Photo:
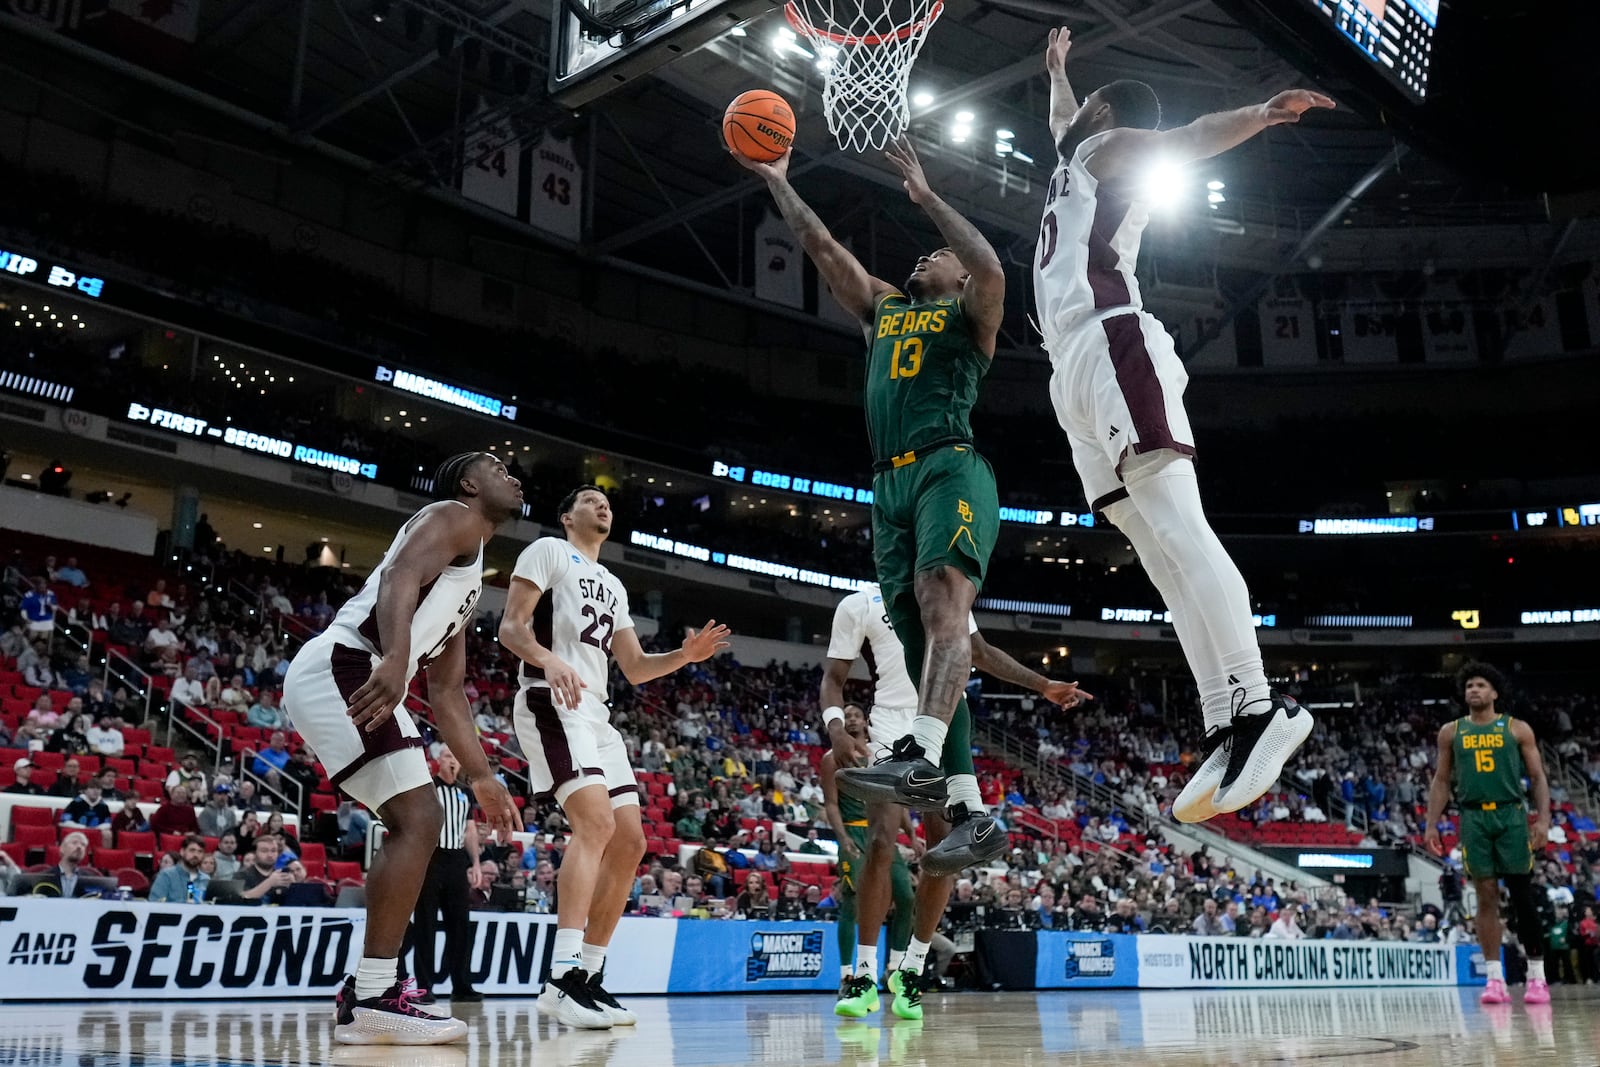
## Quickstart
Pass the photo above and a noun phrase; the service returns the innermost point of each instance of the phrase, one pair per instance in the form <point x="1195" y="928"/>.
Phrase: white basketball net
<point x="867" y="48"/>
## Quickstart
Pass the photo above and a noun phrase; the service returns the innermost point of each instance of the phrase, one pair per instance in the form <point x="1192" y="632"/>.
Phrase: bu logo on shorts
<point x="964" y="510"/>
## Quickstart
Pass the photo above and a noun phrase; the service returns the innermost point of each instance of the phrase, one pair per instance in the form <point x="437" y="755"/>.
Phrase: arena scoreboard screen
<point x="1395" y="35"/>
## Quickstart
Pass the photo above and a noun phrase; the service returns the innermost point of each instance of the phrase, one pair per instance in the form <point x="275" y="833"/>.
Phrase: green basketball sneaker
<point x="907" y="989"/>
<point x="858" y="998"/>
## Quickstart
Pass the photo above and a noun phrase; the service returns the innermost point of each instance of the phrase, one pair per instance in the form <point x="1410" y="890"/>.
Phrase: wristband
<point x="832" y="715"/>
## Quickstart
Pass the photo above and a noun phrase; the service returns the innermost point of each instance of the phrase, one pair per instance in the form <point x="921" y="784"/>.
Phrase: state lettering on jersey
<point x="555" y="188"/>
<point x="595" y="589"/>
<point x="899" y="323"/>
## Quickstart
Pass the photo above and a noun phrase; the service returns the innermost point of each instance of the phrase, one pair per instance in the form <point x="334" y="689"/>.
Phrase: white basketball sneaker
<point x="607" y="1003"/>
<point x="567" y="1000"/>
<point x="392" y="1019"/>
<point x="1194" y="803"/>
<point x="1262" y="744"/>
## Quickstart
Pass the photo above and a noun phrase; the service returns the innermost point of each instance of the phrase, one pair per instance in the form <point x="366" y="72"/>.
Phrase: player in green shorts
<point x="848" y="817"/>
<point x="1483" y="757"/>
<point x="935" y="512"/>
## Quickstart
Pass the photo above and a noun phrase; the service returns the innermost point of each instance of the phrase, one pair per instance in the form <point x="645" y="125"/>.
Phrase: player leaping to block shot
<point x="345" y="691"/>
<point x="935" y="511"/>
<point x="1117" y="387"/>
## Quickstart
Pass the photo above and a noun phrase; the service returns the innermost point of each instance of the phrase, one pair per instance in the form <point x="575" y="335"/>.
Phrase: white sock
<point x="568" y="952"/>
<point x="897" y="958"/>
<point x="1192" y="637"/>
<point x="375" y="975"/>
<point x="1210" y="589"/>
<point x="916" y="956"/>
<point x="929" y="733"/>
<point x="1497" y="971"/>
<point x="1536" y="970"/>
<point x="846" y="970"/>
<point x="867" y="961"/>
<point x="964" y="791"/>
<point x="594" y="958"/>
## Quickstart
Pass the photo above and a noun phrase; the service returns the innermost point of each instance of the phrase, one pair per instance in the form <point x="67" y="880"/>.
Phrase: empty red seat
<point x="33" y="816"/>
<point x="109" y="859"/>
<point x="34" y="836"/>
<point x="339" y="870"/>
<point x="141" y="843"/>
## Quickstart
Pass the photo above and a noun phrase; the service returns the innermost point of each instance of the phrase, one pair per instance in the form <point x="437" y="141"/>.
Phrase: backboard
<point x="600" y="45"/>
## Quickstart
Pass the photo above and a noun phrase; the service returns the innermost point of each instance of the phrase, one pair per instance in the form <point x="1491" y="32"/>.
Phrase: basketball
<point x="759" y="125"/>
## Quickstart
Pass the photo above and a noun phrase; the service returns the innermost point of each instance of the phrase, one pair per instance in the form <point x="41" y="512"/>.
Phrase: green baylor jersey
<point x="851" y="810"/>
<point x="922" y="375"/>
<point x="1488" y="762"/>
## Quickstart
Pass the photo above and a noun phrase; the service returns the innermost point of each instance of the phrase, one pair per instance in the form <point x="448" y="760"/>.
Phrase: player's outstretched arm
<point x="639" y="666"/>
<point x="447" y="676"/>
<point x="856" y="290"/>
<point x="1123" y="153"/>
<point x="985" y="295"/>
<point x="439" y="537"/>
<point x="999" y="663"/>
<point x="1439" y="788"/>
<point x="1063" y="102"/>
<point x="1533" y="763"/>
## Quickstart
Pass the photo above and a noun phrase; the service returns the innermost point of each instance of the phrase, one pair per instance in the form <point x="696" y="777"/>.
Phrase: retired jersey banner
<point x="492" y="170"/>
<point x="780" y="263"/>
<point x="555" y="188"/>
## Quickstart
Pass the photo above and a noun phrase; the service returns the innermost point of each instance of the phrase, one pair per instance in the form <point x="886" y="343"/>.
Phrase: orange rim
<point x="798" y="21"/>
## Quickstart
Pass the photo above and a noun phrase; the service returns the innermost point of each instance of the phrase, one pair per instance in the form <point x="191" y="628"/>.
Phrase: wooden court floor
<point x="1339" y="1028"/>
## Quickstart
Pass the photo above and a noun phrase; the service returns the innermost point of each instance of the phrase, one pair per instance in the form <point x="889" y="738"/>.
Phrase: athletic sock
<point x="1215" y="707"/>
<point x="1248" y="690"/>
<point x="916" y="956"/>
<point x="568" y="952"/>
<point x="1536" y="970"/>
<point x="1497" y="971"/>
<point x="930" y="733"/>
<point x="897" y="959"/>
<point x="867" y="961"/>
<point x="594" y="958"/>
<point x="846" y="970"/>
<point x="963" y="790"/>
<point x="375" y="976"/>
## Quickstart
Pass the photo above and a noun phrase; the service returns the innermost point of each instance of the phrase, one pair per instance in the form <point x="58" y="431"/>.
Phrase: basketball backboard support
<point x="598" y="46"/>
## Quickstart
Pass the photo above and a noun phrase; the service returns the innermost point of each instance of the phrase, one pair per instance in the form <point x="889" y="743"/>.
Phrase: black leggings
<point x="1530" y="930"/>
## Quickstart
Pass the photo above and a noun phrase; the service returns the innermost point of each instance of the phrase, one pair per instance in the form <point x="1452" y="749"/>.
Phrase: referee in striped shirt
<point x="451" y="872"/>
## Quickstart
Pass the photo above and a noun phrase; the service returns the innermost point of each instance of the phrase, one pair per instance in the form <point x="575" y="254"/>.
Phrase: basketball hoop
<point x="865" y="49"/>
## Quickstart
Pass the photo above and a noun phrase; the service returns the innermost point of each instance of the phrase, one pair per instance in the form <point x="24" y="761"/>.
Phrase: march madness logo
<point x="784" y="955"/>
<point x="1091" y="959"/>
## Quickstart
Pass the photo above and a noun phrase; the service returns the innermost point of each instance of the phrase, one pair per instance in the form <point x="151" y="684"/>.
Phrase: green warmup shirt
<point x="1488" y="763"/>
<point x="922" y="376"/>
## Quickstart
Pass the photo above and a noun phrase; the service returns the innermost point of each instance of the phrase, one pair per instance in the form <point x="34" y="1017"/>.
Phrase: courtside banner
<point x="1087" y="961"/>
<point x="734" y="956"/>
<point x="1173" y="962"/>
<point x="75" y="949"/>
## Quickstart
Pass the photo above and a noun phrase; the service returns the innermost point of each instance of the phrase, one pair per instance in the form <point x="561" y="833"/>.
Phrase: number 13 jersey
<point x="583" y="605"/>
<point x="1088" y="247"/>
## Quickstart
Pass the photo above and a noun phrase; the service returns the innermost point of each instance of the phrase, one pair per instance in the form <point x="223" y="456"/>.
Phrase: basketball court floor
<point x="1377" y="1027"/>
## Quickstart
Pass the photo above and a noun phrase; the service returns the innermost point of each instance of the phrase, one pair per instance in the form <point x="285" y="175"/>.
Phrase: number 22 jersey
<point x="583" y="605"/>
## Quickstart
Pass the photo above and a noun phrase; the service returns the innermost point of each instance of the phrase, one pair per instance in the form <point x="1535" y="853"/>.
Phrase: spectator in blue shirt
<point x="184" y="882"/>
<point x="71" y="575"/>
<point x="39" y="609"/>
<point x="275" y="757"/>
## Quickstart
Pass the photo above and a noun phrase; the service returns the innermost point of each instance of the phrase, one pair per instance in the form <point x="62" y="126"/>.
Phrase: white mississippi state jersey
<point x="1088" y="246"/>
<point x="443" y="605"/>
<point x="861" y="628"/>
<point x="582" y="607"/>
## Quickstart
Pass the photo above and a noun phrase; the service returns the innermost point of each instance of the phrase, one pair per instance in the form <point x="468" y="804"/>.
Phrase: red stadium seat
<point x="140" y="843"/>
<point x="324" y="802"/>
<point x="34" y="836"/>
<point x="315" y="869"/>
<point x="134" y="879"/>
<point x="32" y="816"/>
<point x="109" y="859"/>
<point x="17" y="851"/>
<point x="313" y="850"/>
<point x="172" y="842"/>
<point x="50" y="761"/>
<point x="163" y="756"/>
<point x="341" y="870"/>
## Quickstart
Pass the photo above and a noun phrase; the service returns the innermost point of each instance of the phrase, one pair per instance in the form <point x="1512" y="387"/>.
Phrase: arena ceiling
<point x="381" y="93"/>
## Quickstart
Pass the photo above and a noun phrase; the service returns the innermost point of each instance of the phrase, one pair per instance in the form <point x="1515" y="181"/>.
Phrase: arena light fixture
<point x="965" y="117"/>
<point x="1215" y="185"/>
<point x="1003" y="134"/>
<point x="922" y="98"/>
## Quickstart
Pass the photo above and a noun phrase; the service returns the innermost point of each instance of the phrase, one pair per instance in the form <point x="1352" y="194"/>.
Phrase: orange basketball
<point x="759" y="125"/>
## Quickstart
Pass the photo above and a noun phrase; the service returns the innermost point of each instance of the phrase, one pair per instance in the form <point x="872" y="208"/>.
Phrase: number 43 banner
<point x="555" y="188"/>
